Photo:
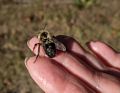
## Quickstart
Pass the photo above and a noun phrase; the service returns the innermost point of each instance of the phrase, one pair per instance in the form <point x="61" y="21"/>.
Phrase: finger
<point x="31" y="44"/>
<point x="96" y="79"/>
<point x="74" y="65"/>
<point x="51" y="77"/>
<point x="72" y="46"/>
<point x="106" y="53"/>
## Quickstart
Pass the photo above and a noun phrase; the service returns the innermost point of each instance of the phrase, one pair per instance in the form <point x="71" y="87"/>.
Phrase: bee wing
<point x="59" y="45"/>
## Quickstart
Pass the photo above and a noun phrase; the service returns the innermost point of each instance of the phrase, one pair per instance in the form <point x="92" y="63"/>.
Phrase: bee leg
<point x="38" y="50"/>
<point x="36" y="46"/>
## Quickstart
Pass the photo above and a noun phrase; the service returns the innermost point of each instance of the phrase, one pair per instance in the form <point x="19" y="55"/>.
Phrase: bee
<point x="49" y="43"/>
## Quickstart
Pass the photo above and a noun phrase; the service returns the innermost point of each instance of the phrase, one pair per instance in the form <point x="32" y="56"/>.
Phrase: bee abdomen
<point x="50" y="49"/>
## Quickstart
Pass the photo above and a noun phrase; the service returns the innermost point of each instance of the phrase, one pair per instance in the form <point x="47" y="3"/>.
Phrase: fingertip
<point x="100" y="47"/>
<point x="105" y="53"/>
<point x="95" y="45"/>
<point x="32" y="42"/>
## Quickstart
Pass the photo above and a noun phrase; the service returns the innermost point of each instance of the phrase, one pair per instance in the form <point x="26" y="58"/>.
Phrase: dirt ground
<point x="22" y="19"/>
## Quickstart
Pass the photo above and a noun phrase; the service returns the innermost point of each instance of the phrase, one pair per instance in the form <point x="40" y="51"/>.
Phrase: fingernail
<point x="26" y="59"/>
<point x="28" y="42"/>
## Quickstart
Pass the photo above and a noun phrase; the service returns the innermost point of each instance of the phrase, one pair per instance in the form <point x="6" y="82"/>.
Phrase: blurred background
<point x="84" y="20"/>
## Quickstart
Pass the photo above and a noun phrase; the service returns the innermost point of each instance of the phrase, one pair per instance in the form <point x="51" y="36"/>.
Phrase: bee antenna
<point x="44" y="26"/>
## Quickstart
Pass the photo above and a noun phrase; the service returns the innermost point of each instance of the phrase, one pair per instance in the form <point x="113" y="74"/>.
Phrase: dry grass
<point x="19" y="22"/>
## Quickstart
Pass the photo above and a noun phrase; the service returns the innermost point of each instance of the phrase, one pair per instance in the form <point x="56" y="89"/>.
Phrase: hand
<point x="76" y="70"/>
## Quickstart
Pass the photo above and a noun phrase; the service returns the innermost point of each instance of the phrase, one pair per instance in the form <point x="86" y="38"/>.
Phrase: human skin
<point x="76" y="70"/>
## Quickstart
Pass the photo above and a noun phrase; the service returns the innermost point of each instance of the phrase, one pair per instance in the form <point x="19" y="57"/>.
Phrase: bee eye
<point x="44" y="34"/>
